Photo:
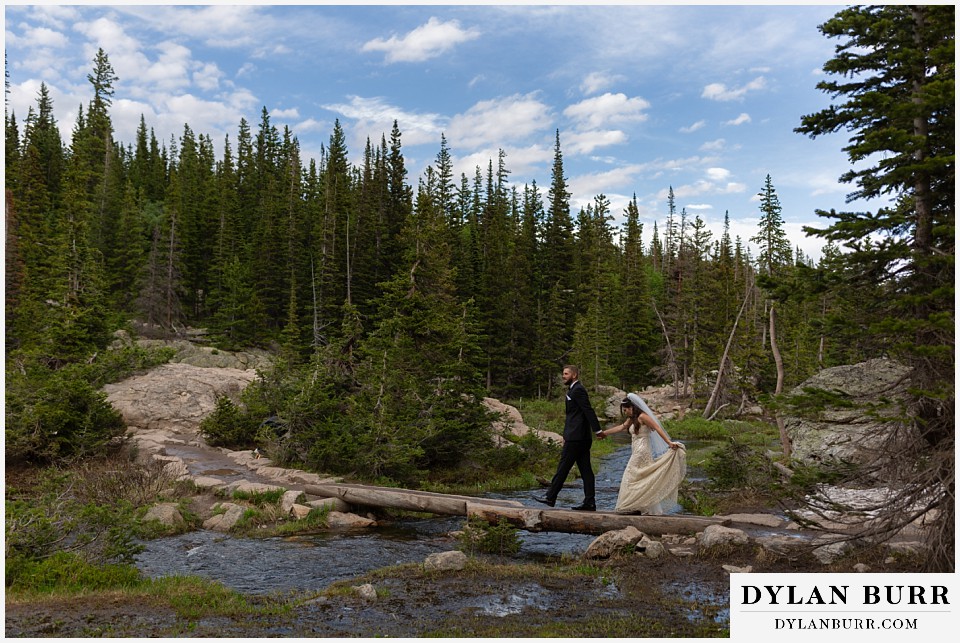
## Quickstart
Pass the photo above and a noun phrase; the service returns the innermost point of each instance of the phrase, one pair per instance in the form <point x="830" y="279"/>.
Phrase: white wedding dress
<point x="650" y="486"/>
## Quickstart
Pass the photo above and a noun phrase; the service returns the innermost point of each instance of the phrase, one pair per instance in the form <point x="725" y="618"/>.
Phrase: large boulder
<point x="858" y="417"/>
<point x="511" y="422"/>
<point x="174" y="398"/>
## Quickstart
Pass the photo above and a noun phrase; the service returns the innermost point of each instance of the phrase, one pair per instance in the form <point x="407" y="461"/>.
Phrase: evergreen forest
<point x="394" y="304"/>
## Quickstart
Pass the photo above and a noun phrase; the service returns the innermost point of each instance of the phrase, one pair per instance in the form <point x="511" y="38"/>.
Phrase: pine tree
<point x="894" y="90"/>
<point x="554" y="325"/>
<point x="419" y="404"/>
<point x="638" y="334"/>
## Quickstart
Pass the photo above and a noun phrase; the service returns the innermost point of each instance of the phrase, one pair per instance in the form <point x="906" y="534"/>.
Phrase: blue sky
<point x="703" y="98"/>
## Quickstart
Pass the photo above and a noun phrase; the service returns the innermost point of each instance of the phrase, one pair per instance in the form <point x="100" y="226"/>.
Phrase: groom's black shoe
<point x="586" y="506"/>
<point x="545" y="500"/>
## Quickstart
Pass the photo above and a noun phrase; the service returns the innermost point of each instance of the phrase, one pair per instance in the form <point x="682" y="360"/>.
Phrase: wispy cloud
<point x="720" y="92"/>
<point x="608" y="108"/>
<point x="374" y="117"/>
<point x="739" y="120"/>
<point x="587" y="142"/>
<point x="597" y="81"/>
<point x="693" y="128"/>
<point x="423" y="43"/>
<point x="501" y="119"/>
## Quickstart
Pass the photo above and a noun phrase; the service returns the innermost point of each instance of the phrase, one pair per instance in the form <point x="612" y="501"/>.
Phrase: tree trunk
<point x="723" y="360"/>
<point x="670" y="355"/>
<point x="784" y="438"/>
<point x="514" y="512"/>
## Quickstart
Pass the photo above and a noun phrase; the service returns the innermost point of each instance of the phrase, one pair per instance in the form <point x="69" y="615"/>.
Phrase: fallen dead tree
<point x="515" y="513"/>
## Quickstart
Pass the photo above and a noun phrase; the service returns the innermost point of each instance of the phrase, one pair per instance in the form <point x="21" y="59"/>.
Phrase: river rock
<point x="333" y="504"/>
<point x="289" y="499"/>
<point x="446" y="561"/>
<point x="511" y="422"/>
<point x="611" y="542"/>
<point x="764" y="520"/>
<point x="733" y="569"/>
<point x="850" y="431"/>
<point x="299" y="512"/>
<point x="225" y="521"/>
<point x="779" y="545"/>
<point x="650" y="548"/>
<point x="167" y="514"/>
<point x="367" y="592"/>
<point x="718" y="535"/>
<point x="830" y="553"/>
<point x="248" y="486"/>
<point x="339" y="520"/>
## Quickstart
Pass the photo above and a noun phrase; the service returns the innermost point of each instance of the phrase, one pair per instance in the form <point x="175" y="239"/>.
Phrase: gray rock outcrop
<point x="173" y="399"/>
<point x="511" y="422"/>
<point x="854" y="427"/>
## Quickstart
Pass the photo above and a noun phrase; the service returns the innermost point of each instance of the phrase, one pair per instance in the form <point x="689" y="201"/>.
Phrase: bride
<point x="657" y="464"/>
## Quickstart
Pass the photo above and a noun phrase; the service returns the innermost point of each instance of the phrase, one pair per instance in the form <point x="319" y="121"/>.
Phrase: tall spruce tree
<point x="893" y="83"/>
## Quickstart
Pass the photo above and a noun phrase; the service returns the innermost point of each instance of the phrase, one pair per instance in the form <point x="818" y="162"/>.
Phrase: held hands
<point x="601" y="435"/>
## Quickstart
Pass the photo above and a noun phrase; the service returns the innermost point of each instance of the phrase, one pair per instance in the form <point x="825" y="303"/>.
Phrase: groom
<point x="578" y="429"/>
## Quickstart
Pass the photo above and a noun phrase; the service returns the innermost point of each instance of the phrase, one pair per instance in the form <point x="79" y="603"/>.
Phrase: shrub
<point x="480" y="536"/>
<point x="55" y="518"/>
<point x="54" y="416"/>
<point x="228" y="426"/>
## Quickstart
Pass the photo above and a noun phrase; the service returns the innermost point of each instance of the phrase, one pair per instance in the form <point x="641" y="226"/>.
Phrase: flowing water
<point x="260" y="566"/>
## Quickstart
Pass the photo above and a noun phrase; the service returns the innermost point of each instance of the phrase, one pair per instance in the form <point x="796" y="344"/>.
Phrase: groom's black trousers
<point x="575" y="452"/>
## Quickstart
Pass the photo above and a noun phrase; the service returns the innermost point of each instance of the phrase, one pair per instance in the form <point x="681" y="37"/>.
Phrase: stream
<point x="305" y="562"/>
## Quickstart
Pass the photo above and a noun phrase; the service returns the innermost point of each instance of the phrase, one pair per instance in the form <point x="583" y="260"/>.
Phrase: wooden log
<point x="406" y="499"/>
<point x="514" y="512"/>
<point x="589" y="522"/>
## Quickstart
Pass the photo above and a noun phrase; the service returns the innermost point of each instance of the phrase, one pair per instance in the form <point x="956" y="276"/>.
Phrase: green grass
<point x="66" y="574"/>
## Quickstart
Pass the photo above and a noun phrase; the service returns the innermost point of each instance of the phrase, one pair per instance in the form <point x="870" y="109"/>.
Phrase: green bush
<point x="738" y="466"/>
<point x="229" y="426"/>
<point x="480" y="536"/>
<point x="59" y="415"/>
<point x="56" y="517"/>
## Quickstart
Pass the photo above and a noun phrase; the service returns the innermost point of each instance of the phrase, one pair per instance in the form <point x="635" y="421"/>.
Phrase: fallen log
<point x="588" y="522"/>
<point x="514" y="512"/>
<point x="406" y="499"/>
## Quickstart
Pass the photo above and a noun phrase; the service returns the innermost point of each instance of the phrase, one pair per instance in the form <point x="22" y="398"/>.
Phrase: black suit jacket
<point x="581" y="421"/>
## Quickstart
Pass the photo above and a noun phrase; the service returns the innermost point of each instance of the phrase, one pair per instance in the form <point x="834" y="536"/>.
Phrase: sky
<point x="703" y="99"/>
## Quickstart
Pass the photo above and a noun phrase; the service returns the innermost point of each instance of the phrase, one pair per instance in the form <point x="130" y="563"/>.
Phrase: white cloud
<point x="713" y="146"/>
<point x="374" y="119"/>
<point x="586" y="186"/>
<point x="207" y="76"/>
<point x="597" y="81"/>
<point x="313" y="125"/>
<point x="698" y="206"/>
<point x="425" y="42"/>
<point x="739" y="120"/>
<point x="587" y="142"/>
<point x="43" y="37"/>
<point x="720" y="92"/>
<point x="525" y="163"/>
<point x="58" y="16"/>
<point x="608" y="108"/>
<point x="490" y="122"/>
<point x="693" y="128"/>
<point x="718" y="173"/>
<point x="285" y="114"/>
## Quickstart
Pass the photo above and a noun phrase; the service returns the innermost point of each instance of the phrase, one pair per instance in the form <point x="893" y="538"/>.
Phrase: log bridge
<point x="514" y="512"/>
